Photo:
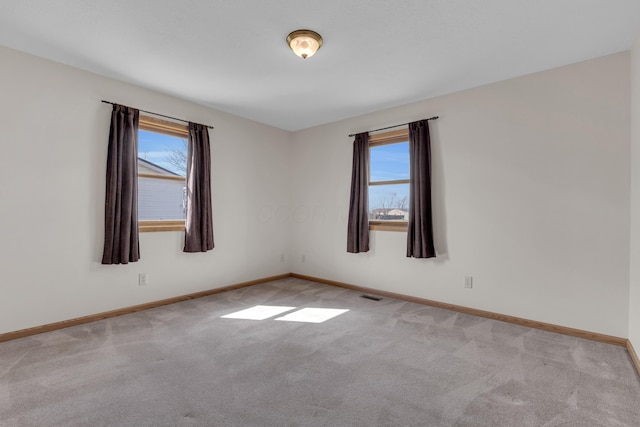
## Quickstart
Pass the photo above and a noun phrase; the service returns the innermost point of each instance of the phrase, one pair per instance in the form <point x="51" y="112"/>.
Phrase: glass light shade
<point x="304" y="43"/>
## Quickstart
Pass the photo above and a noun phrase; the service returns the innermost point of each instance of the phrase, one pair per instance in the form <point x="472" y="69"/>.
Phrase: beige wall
<point x="54" y="145"/>
<point x="531" y="183"/>
<point x="634" y="293"/>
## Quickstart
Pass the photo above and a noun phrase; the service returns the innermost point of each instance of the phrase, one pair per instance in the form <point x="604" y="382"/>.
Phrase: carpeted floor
<point x="381" y="363"/>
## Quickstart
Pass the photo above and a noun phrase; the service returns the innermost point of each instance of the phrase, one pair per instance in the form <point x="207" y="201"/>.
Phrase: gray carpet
<point x="382" y="363"/>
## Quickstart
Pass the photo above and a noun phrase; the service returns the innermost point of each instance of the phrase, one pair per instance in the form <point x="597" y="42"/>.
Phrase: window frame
<point x="165" y="127"/>
<point x="376" y="140"/>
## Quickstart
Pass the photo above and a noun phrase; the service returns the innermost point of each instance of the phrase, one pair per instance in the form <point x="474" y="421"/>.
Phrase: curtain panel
<point x="358" y="227"/>
<point x="420" y="226"/>
<point x="199" y="220"/>
<point x="121" y="244"/>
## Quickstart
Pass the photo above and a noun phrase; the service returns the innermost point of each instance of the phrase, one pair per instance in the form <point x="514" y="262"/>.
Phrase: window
<point x="162" y="166"/>
<point x="389" y="180"/>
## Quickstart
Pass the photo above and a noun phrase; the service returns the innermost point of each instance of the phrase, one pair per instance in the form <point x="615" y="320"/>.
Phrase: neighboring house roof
<point x="390" y="211"/>
<point x="152" y="167"/>
<point x="397" y="212"/>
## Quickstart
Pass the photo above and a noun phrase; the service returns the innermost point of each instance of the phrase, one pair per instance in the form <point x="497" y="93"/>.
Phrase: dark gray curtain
<point x="199" y="221"/>
<point x="420" y="227"/>
<point x="121" y="200"/>
<point x="358" y="228"/>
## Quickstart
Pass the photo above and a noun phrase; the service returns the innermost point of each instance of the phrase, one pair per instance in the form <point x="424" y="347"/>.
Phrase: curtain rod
<point x="156" y="114"/>
<point x="395" y="126"/>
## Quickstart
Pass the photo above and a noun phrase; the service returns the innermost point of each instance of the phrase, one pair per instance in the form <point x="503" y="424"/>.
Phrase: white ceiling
<point x="232" y="55"/>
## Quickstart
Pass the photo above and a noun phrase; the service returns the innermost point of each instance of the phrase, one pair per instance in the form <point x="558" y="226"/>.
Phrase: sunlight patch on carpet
<point x="312" y="315"/>
<point x="259" y="312"/>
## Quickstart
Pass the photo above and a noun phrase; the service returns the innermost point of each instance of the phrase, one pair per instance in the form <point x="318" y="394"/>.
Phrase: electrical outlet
<point x="303" y="258"/>
<point x="468" y="282"/>
<point x="281" y="257"/>
<point x="143" y="279"/>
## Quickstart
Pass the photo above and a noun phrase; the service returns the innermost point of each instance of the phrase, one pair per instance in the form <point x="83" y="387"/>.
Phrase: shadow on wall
<point x="437" y="194"/>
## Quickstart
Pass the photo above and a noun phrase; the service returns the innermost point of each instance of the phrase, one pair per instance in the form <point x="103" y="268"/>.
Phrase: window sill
<point x="147" y="226"/>
<point x="388" y="225"/>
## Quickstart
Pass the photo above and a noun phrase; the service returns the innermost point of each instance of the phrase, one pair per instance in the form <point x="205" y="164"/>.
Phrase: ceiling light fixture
<point x="304" y="43"/>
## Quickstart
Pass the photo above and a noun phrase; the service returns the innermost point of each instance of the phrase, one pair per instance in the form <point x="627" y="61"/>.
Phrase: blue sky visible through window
<point x="387" y="163"/>
<point x="157" y="148"/>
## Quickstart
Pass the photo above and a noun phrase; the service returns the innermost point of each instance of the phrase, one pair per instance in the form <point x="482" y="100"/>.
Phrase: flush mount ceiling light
<point x="304" y="43"/>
